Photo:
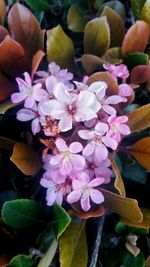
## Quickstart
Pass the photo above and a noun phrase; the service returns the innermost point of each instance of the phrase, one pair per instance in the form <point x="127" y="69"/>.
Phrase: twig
<point x="97" y="242"/>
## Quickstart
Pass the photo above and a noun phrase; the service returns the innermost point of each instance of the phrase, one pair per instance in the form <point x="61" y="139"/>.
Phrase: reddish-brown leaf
<point x="139" y="119"/>
<point x="12" y="56"/>
<point x="36" y="61"/>
<point x="91" y="62"/>
<point x="85" y="215"/>
<point x="125" y="207"/>
<point x="6" y="87"/>
<point x="107" y="77"/>
<point x="26" y="159"/>
<point x="141" y="152"/>
<point x="136" y="38"/>
<point x="25" y="29"/>
<point x="3" y="33"/>
<point x="140" y="74"/>
<point x="2" y="10"/>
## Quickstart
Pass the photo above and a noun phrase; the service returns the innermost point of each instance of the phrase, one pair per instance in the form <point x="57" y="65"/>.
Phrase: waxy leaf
<point x="97" y="36"/>
<point x="116" y="25"/>
<point x="125" y="207"/>
<point x="25" y="29"/>
<point x="136" y="59"/>
<point x="21" y="213"/>
<point x="91" y="214"/>
<point x="21" y="261"/>
<point x="60" y="48"/>
<point x="119" y="185"/>
<point x="136" y="38"/>
<point x="61" y="220"/>
<point x="145" y="222"/>
<point x="116" y="5"/>
<point x="40" y="5"/>
<point x="12" y="57"/>
<point x="140" y="74"/>
<point x="137" y="6"/>
<point x="145" y="14"/>
<point x="141" y="152"/>
<point x="129" y="260"/>
<point x="26" y="159"/>
<point x="73" y="246"/>
<point x="49" y="255"/>
<point x="2" y="11"/>
<point x="122" y="228"/>
<point x="105" y="76"/>
<point x="139" y="119"/>
<point x="76" y="19"/>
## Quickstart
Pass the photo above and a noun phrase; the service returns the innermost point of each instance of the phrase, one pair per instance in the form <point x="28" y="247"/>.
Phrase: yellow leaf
<point x="26" y="159"/>
<point x="139" y="119"/>
<point x="141" y="152"/>
<point x="119" y="185"/>
<point x="60" y="48"/>
<point x="97" y="36"/>
<point x="145" y="223"/>
<point x="126" y="207"/>
<point x="76" y="19"/>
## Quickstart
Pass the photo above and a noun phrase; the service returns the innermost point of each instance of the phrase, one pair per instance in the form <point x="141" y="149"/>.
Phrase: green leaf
<point x="21" y="213"/>
<point x="130" y="260"/>
<point x="136" y="6"/>
<point x="49" y="255"/>
<point x="76" y="19"/>
<point x="61" y="220"/>
<point x="8" y="195"/>
<point x="97" y="36"/>
<point x="73" y="246"/>
<point x="145" y="14"/>
<point x="21" y="261"/>
<point x="5" y="106"/>
<point x="60" y="48"/>
<point x="136" y="59"/>
<point x="40" y="5"/>
<point x="116" y="5"/>
<point x="116" y="24"/>
<point x="122" y="228"/>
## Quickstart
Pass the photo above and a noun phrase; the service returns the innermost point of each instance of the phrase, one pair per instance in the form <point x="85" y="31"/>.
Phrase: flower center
<point x="71" y="108"/>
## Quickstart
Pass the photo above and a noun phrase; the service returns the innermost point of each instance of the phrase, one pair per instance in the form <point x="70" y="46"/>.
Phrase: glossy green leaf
<point x="97" y="36"/>
<point x="136" y="6"/>
<point x="21" y="213"/>
<point x="21" y="261"/>
<point x="49" y="255"/>
<point x="61" y="220"/>
<point x="136" y="59"/>
<point x="60" y="48"/>
<point x="116" y="25"/>
<point x="40" y="5"/>
<point x="129" y="260"/>
<point x="76" y="19"/>
<point x="116" y="5"/>
<point x="73" y="246"/>
<point x="122" y="228"/>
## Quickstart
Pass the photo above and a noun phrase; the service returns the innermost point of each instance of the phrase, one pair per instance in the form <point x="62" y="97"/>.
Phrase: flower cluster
<point x="83" y="125"/>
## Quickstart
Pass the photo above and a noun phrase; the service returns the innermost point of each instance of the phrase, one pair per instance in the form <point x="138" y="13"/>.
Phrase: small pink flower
<point x="117" y="127"/>
<point x="99" y="88"/>
<point x="69" y="107"/>
<point x="120" y="71"/>
<point x="125" y="90"/>
<point x="67" y="159"/>
<point x="99" y="142"/>
<point x="28" y="92"/>
<point x="83" y="189"/>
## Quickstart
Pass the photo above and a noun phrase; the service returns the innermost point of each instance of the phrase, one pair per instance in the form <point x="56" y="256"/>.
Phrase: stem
<point x="97" y="242"/>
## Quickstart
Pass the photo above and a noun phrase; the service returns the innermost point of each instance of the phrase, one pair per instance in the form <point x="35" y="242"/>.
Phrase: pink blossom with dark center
<point x="118" y="127"/>
<point x="120" y="71"/>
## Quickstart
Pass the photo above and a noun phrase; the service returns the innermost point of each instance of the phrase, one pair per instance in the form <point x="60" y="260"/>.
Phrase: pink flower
<point x="125" y="90"/>
<point x="99" y="142"/>
<point x="67" y="159"/>
<point x="117" y="127"/>
<point x="83" y="189"/>
<point x="69" y="107"/>
<point x="28" y="92"/>
<point x="120" y="71"/>
<point x="99" y="88"/>
<point x="33" y="114"/>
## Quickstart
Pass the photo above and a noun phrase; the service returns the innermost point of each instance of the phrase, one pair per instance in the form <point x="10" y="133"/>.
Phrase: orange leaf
<point x="145" y="223"/>
<point x="90" y="214"/>
<point x="26" y="159"/>
<point x="125" y="207"/>
<point x="119" y="185"/>
<point x="105" y="76"/>
<point x="139" y="119"/>
<point x="12" y="57"/>
<point x="25" y="29"/>
<point x="2" y="11"/>
<point x="136" y="38"/>
<point x="36" y="61"/>
<point x="141" y="152"/>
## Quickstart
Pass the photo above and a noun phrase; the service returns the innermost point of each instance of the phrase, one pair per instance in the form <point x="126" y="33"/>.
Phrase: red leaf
<point x="140" y="74"/>
<point x="36" y="61"/>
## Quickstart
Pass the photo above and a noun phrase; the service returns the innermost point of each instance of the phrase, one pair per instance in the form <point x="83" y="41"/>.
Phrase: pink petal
<point x="96" y="196"/>
<point x="114" y="99"/>
<point x="74" y="196"/>
<point x="101" y="128"/>
<point x="94" y="87"/>
<point x="55" y="160"/>
<point x="109" y="110"/>
<point x="21" y="84"/>
<point x="84" y="114"/>
<point x="25" y="114"/>
<point x="78" y="162"/>
<point x="35" y="125"/>
<point x="61" y="93"/>
<point x="51" y="105"/>
<point x="85" y="202"/>
<point x="121" y="119"/>
<point x="61" y="144"/>
<point x="59" y="198"/>
<point x="101" y="152"/>
<point x="124" y="129"/>
<point x="85" y="99"/>
<point x="86" y="134"/>
<point x="50" y="83"/>
<point x="29" y="102"/>
<point x="17" y="97"/>
<point x="39" y="94"/>
<point x="66" y="166"/>
<point x="96" y="182"/>
<point x="88" y="150"/>
<point x="109" y="142"/>
<point x="75" y="147"/>
<point x="50" y="197"/>
<point x="77" y="184"/>
<point x="65" y="123"/>
<point x="125" y="90"/>
<point x="84" y="177"/>
<point x="27" y="78"/>
<point x="45" y="183"/>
